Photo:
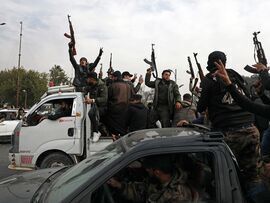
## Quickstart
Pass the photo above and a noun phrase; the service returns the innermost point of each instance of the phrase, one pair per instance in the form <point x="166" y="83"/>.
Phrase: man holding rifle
<point x="166" y="98"/>
<point x="83" y="68"/>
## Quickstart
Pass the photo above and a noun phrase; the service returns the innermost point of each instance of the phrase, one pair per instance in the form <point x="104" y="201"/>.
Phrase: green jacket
<point x="99" y="92"/>
<point x="173" y="94"/>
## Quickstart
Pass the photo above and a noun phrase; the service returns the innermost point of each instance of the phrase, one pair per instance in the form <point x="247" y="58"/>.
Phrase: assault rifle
<point x="100" y="72"/>
<point x="110" y="67"/>
<point x="199" y="67"/>
<point x="192" y="77"/>
<point x="259" y="52"/>
<point x="71" y="36"/>
<point x="152" y="63"/>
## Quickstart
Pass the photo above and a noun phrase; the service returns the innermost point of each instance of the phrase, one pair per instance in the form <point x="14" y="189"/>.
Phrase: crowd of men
<point x="223" y="102"/>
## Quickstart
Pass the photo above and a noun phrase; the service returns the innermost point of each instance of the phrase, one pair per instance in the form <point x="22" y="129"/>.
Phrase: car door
<point x="100" y="187"/>
<point x="46" y="134"/>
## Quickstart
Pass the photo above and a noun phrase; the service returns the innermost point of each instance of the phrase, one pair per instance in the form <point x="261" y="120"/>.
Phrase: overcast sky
<point x="128" y="27"/>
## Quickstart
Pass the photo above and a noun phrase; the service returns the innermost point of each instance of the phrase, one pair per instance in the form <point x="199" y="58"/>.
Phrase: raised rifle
<point x="259" y="52"/>
<point x="152" y="63"/>
<point x="111" y="61"/>
<point x="199" y="67"/>
<point x="71" y="36"/>
<point x="100" y="71"/>
<point x="192" y="77"/>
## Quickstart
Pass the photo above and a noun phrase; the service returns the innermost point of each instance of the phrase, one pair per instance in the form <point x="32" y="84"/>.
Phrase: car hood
<point x="21" y="188"/>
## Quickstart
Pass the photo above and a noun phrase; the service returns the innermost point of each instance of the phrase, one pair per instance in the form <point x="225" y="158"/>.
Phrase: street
<point x="4" y="162"/>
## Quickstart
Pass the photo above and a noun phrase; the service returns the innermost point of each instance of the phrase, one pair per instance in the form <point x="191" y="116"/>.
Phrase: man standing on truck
<point x="82" y="69"/>
<point x="98" y="96"/>
<point x="119" y="93"/>
<point x="228" y="117"/>
<point x="166" y="98"/>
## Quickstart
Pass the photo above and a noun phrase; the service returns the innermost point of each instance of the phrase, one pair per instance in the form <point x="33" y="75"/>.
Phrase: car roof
<point x="170" y="137"/>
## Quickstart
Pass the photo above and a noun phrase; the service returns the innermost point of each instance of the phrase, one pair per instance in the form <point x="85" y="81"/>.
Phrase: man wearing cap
<point x="136" y="118"/>
<point x="119" y="93"/>
<point x="164" y="183"/>
<point x="166" y="98"/>
<point x="82" y="69"/>
<point x="98" y="96"/>
<point x="227" y="116"/>
<point x="127" y="78"/>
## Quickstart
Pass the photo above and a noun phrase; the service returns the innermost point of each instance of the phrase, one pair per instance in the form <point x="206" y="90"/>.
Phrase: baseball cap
<point x="92" y="74"/>
<point x="126" y="73"/>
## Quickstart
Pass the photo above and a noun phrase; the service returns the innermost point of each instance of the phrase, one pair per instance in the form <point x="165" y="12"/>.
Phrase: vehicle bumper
<point x="20" y="161"/>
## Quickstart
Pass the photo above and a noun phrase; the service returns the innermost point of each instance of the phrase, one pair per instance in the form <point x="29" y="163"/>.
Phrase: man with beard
<point x="127" y="78"/>
<point x="166" y="98"/>
<point x="164" y="183"/>
<point x="98" y="95"/>
<point x="82" y="69"/>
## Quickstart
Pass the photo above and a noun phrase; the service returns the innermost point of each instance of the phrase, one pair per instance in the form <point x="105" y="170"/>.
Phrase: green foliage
<point x="58" y="76"/>
<point x="31" y="83"/>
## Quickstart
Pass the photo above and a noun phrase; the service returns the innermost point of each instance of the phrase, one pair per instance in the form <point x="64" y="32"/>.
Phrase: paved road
<point x="4" y="162"/>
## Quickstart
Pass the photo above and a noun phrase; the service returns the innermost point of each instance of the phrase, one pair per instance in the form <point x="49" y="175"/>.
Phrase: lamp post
<point x="25" y="99"/>
<point x="18" y="68"/>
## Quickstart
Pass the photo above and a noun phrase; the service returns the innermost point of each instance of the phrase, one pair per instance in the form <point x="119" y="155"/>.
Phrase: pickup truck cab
<point x="203" y="158"/>
<point x="44" y="143"/>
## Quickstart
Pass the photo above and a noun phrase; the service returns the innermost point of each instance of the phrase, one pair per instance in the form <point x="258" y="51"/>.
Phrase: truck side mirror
<point x="70" y="132"/>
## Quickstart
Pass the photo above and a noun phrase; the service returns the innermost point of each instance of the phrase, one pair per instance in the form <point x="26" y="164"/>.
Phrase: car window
<point x="50" y="108"/>
<point x="164" y="177"/>
<point x="79" y="175"/>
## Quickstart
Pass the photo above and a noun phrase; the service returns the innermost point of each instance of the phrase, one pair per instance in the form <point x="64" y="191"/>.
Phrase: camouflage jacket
<point x="174" y="191"/>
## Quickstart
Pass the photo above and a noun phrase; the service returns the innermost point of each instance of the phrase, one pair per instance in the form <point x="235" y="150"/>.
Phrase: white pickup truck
<point x="44" y="143"/>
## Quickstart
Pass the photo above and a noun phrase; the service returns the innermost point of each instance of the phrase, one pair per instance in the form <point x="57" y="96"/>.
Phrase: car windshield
<point x="80" y="174"/>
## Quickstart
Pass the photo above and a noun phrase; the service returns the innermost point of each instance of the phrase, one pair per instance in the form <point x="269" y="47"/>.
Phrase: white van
<point x="44" y="143"/>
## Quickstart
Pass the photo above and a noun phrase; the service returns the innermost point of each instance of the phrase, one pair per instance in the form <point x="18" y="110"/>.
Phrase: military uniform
<point x="166" y="95"/>
<point x="174" y="191"/>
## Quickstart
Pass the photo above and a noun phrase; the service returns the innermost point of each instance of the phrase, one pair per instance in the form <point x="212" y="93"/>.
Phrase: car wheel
<point x="56" y="160"/>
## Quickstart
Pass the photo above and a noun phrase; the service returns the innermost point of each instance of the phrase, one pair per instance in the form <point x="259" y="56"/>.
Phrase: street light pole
<point x="25" y="99"/>
<point x="19" y="65"/>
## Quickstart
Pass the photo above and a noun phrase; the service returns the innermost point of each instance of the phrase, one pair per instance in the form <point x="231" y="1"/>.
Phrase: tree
<point x="58" y="76"/>
<point x="32" y="82"/>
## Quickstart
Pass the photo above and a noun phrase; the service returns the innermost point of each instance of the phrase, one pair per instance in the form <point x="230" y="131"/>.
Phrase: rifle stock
<point x="191" y="71"/>
<point x="199" y="67"/>
<point x="152" y="63"/>
<point x="71" y="36"/>
<point x="259" y="53"/>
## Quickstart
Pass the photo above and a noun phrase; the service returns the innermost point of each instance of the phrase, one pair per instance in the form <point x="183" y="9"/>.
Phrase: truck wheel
<point x="55" y="160"/>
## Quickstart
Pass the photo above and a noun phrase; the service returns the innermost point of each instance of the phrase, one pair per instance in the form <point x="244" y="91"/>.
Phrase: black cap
<point x="92" y="75"/>
<point x="117" y="74"/>
<point x="214" y="57"/>
<point x="126" y="73"/>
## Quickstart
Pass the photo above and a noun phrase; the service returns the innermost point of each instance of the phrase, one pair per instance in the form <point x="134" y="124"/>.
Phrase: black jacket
<point x="223" y="111"/>
<point x="80" y="78"/>
<point x="247" y="104"/>
<point x="136" y="118"/>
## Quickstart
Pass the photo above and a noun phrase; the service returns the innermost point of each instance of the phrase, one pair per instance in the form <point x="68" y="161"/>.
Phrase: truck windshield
<point x="80" y="174"/>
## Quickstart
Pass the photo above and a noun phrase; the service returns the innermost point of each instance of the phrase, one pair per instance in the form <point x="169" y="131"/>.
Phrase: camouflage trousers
<point x="245" y="144"/>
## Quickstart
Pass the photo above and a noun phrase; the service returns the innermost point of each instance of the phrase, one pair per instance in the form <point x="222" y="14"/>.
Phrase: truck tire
<point x="56" y="160"/>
